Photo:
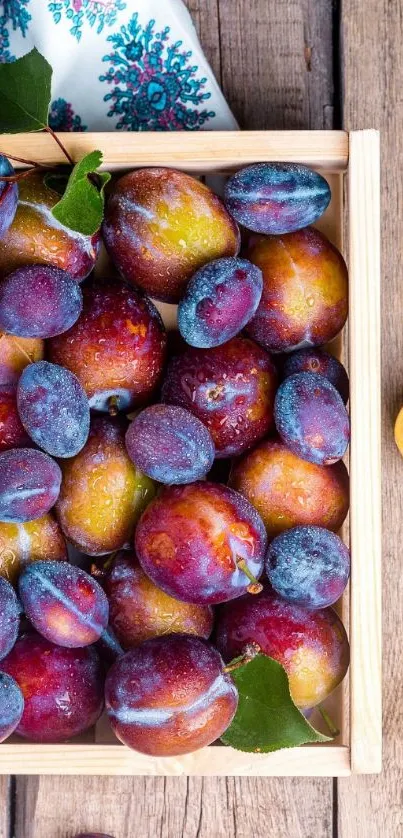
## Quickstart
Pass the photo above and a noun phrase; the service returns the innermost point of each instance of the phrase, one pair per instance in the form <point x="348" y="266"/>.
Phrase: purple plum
<point x="219" y="301"/>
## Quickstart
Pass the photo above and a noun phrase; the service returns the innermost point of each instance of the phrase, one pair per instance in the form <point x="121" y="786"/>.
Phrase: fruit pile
<point x="198" y="474"/>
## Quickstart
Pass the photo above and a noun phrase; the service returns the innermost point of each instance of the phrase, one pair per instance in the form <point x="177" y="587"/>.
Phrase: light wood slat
<point x="365" y="453"/>
<point x="204" y="150"/>
<point x="58" y="807"/>
<point x="373" y="56"/>
<point x="321" y="761"/>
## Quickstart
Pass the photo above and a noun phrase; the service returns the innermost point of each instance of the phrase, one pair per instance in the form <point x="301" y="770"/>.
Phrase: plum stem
<point x="60" y="144"/>
<point x="18" y="175"/>
<point x="32" y="163"/>
<point x="113" y="405"/>
<point x="333" y="730"/>
<point x="250" y="651"/>
<point x="255" y="587"/>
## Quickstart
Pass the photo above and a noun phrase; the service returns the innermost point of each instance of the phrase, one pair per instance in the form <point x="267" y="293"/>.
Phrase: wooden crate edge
<point x="365" y="456"/>
<point x="215" y="761"/>
<point x="203" y="150"/>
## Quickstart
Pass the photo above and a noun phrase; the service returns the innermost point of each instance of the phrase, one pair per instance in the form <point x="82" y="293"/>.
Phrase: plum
<point x="12" y="432"/>
<point x="398" y="431"/>
<point x="308" y="566"/>
<point x="102" y="494"/>
<point x="16" y="354"/>
<point x="11" y="705"/>
<point x="170" y="445"/>
<point x="276" y="197"/>
<point x="219" y="301"/>
<point x="39" y="301"/>
<point x="53" y="408"/>
<point x="139" y="610"/>
<point x="62" y="688"/>
<point x="311" y="418"/>
<point x="21" y="544"/>
<point x="305" y="290"/>
<point x="311" y="645"/>
<point x="287" y="491"/>
<point x="8" y="196"/>
<point x="116" y="349"/>
<point x="10" y="611"/>
<point x="29" y="484"/>
<point x="202" y="543"/>
<point x="161" y="225"/>
<point x="170" y="696"/>
<point x="320" y="362"/>
<point x="63" y="603"/>
<point x="229" y="388"/>
<point x="35" y="237"/>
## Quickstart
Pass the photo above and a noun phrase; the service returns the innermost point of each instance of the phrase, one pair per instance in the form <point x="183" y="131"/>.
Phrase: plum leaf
<point x="267" y="718"/>
<point x="25" y="92"/>
<point x="81" y="208"/>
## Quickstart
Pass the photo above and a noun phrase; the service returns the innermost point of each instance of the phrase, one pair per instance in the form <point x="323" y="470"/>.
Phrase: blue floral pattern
<point x="99" y="13"/>
<point x="63" y="118"/>
<point x="155" y="87"/>
<point x="15" y="15"/>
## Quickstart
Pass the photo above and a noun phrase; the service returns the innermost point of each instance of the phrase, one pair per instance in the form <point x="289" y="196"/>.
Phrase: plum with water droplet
<point x="53" y="408"/>
<point x="63" y="603"/>
<point x="305" y="290"/>
<point x="35" y="237"/>
<point x="170" y="445"/>
<point x="287" y="490"/>
<point x="10" y="611"/>
<point x="229" y="388"/>
<point x="219" y="301"/>
<point x="116" y="348"/>
<point x="138" y="609"/>
<point x="311" y="645"/>
<point x="276" y="197"/>
<point x="16" y="354"/>
<point x="161" y="225"/>
<point x="11" y="706"/>
<point x="170" y="696"/>
<point x="308" y="566"/>
<point x="31" y="541"/>
<point x="63" y="689"/>
<point x="12" y="432"/>
<point x="29" y="484"/>
<point x="311" y="418"/>
<point x="39" y="301"/>
<point x="103" y="493"/>
<point x="202" y="543"/>
<point x="320" y="362"/>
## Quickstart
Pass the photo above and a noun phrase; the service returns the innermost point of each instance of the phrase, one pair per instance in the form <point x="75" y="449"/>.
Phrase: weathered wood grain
<point x="205" y="18"/>
<point x="277" y="62"/>
<point x="4" y="807"/>
<point x="372" y="43"/>
<point x="58" y="807"/>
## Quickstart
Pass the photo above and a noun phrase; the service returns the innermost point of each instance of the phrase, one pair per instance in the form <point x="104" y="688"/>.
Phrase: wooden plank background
<point x="282" y="64"/>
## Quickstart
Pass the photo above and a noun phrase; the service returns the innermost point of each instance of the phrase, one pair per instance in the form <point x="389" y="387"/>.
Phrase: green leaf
<point x="82" y="206"/>
<point x="267" y="718"/>
<point x="25" y="93"/>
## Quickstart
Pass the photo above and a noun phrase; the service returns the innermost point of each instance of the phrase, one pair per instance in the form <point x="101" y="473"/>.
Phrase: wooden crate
<point x="357" y="703"/>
